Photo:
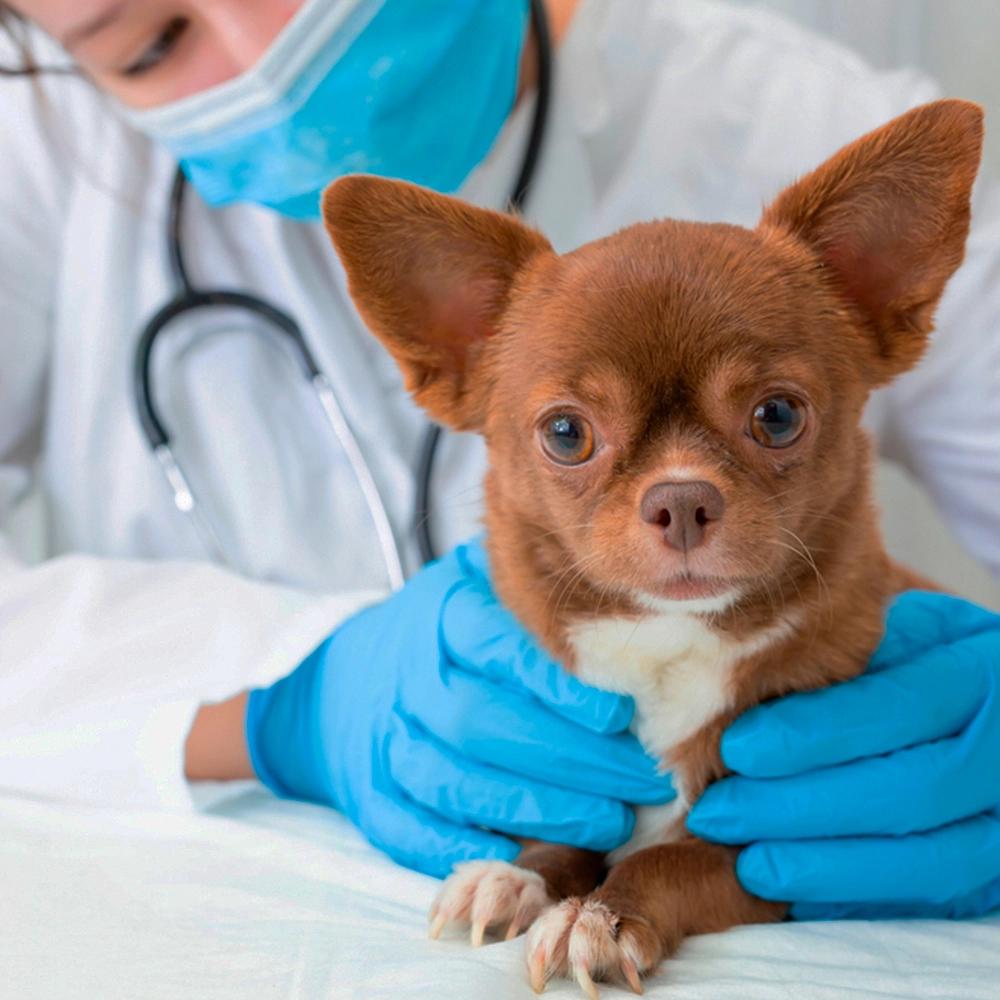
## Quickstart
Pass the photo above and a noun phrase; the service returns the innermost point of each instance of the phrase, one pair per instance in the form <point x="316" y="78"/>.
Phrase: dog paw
<point x="586" y="941"/>
<point x="489" y="894"/>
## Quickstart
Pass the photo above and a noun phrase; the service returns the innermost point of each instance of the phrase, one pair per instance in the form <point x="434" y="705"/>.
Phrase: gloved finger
<point x="905" y="792"/>
<point x="919" y="621"/>
<point x="983" y="900"/>
<point x="474" y="560"/>
<point x="934" y="867"/>
<point x="420" y="839"/>
<point x="470" y="793"/>
<point x="927" y="699"/>
<point x="519" y="735"/>
<point x="483" y="637"/>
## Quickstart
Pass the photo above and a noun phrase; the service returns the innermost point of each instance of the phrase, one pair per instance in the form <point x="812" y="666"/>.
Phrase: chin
<point x="691" y="595"/>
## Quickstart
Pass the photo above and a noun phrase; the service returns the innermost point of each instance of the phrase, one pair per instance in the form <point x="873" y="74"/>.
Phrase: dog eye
<point x="568" y="439"/>
<point x="778" y="421"/>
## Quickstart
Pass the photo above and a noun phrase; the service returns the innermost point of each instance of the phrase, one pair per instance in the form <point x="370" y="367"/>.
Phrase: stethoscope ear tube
<point x="184" y="501"/>
<point x="153" y="427"/>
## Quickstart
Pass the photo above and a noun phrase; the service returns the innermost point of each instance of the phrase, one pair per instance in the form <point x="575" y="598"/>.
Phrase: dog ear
<point x="887" y="217"/>
<point x="431" y="277"/>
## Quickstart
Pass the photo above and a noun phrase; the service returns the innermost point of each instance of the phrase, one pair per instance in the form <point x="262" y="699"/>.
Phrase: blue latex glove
<point x="437" y="725"/>
<point x="879" y="797"/>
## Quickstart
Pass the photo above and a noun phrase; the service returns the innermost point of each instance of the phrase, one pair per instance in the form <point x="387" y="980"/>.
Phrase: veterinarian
<point x="427" y="717"/>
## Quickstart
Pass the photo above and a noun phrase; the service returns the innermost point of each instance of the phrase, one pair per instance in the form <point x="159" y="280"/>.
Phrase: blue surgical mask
<point x="412" y="89"/>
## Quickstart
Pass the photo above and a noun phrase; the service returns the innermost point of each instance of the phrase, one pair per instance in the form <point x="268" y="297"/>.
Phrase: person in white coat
<point x="127" y="648"/>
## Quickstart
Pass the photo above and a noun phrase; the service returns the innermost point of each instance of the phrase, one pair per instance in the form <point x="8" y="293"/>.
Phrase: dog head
<point x="672" y="413"/>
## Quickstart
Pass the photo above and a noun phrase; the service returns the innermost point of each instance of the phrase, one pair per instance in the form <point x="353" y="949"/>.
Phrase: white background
<point x="956" y="43"/>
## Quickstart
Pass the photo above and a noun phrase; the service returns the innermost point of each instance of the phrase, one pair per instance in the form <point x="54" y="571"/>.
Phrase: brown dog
<point x="679" y="498"/>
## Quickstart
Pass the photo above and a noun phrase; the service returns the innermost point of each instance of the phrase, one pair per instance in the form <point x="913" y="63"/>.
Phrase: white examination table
<point x="257" y="898"/>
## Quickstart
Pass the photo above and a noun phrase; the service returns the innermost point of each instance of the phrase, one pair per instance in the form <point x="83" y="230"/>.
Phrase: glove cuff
<point x="257" y="706"/>
<point x="279" y="727"/>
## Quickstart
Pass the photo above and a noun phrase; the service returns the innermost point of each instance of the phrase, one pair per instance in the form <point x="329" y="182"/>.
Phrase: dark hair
<point x="14" y="26"/>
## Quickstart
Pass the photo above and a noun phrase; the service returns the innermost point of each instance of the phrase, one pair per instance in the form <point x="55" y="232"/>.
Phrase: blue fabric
<point x="441" y="729"/>
<point x="880" y="796"/>
<point x="420" y="94"/>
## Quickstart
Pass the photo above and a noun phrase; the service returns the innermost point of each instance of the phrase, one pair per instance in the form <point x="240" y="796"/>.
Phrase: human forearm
<point x="216" y="747"/>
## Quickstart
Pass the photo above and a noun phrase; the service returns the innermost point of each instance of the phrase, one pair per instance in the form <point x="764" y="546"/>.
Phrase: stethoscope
<point x="189" y="298"/>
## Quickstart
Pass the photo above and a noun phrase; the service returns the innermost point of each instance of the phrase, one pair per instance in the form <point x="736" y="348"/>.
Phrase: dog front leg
<point x="649" y="903"/>
<point x="501" y="894"/>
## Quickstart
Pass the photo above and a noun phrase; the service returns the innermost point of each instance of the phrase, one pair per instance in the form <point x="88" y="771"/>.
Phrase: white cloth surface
<point x="257" y="898"/>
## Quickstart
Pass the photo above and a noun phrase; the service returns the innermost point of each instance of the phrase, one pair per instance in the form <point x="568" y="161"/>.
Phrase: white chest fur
<point x="678" y="669"/>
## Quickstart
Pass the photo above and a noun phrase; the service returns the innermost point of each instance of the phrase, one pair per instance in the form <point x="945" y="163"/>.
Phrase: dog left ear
<point x="887" y="217"/>
<point x="431" y="277"/>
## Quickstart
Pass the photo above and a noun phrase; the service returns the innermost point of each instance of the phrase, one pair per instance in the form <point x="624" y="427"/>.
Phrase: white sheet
<point x="264" y="899"/>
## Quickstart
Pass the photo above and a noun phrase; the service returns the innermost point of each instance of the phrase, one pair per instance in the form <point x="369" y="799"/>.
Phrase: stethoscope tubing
<point x="187" y="302"/>
<point x="190" y="299"/>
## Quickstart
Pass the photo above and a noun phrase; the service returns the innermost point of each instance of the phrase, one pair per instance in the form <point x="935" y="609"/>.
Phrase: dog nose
<point x="683" y="510"/>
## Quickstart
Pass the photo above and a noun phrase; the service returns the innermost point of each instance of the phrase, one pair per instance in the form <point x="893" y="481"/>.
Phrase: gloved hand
<point x="879" y="797"/>
<point x="437" y="725"/>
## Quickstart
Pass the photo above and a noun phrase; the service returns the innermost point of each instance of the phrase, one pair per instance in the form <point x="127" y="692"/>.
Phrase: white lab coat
<point x="111" y="640"/>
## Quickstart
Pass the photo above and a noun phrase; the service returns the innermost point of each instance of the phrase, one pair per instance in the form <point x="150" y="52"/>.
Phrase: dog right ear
<point x="431" y="277"/>
<point x="887" y="218"/>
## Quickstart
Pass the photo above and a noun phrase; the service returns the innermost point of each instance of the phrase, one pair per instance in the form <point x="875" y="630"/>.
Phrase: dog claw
<point x="513" y="930"/>
<point x="586" y="983"/>
<point x="632" y="976"/>
<point x="437" y="925"/>
<point x="536" y="971"/>
<point x="478" y="931"/>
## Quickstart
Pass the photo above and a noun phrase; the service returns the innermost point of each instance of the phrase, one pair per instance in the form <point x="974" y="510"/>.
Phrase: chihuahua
<point x="679" y="499"/>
